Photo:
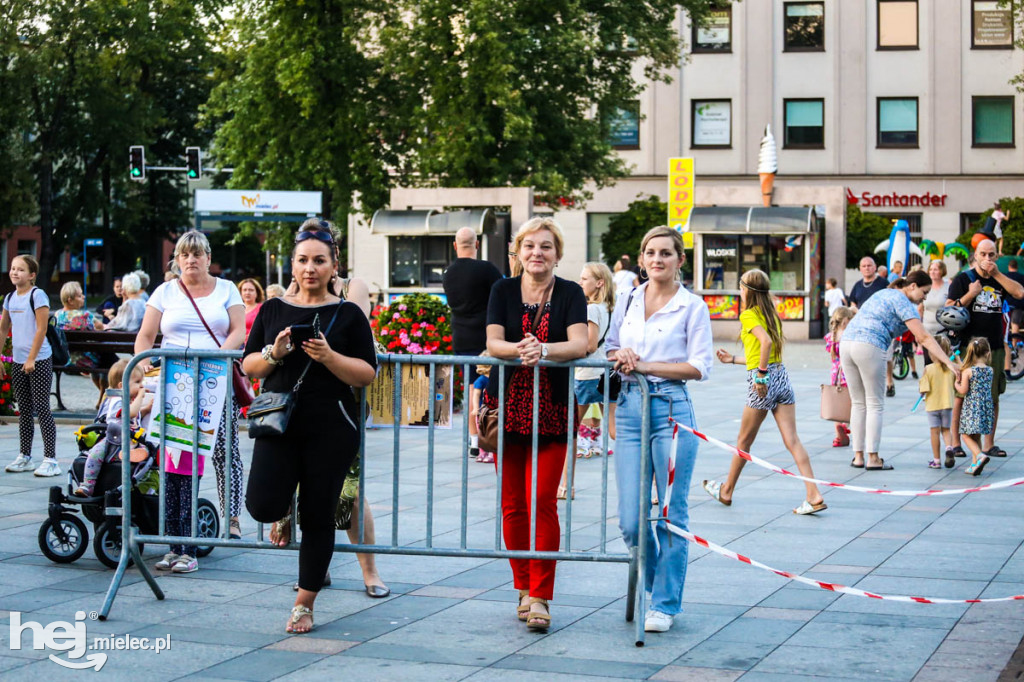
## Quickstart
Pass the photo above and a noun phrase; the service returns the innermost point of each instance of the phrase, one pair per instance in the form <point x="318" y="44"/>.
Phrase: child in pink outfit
<point x="840" y="318"/>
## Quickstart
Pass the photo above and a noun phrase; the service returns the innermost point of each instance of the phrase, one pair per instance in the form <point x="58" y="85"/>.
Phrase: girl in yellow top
<point x="768" y="390"/>
<point x="937" y="386"/>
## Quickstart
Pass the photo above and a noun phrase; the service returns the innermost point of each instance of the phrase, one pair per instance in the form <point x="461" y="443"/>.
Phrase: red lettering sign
<point x="895" y="200"/>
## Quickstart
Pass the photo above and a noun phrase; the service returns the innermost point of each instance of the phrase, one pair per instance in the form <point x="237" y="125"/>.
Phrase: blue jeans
<point x="666" y="559"/>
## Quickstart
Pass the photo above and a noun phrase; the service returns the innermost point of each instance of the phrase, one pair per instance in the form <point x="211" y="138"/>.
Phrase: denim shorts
<point x="940" y="419"/>
<point x="587" y="393"/>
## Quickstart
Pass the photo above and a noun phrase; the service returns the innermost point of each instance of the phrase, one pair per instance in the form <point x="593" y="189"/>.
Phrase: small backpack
<point x="54" y="335"/>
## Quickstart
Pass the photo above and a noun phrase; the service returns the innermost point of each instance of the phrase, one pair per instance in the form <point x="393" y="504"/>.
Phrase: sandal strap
<point x="299" y="611"/>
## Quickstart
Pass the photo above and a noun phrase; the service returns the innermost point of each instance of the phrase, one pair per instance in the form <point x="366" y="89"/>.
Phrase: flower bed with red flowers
<point x="416" y="324"/>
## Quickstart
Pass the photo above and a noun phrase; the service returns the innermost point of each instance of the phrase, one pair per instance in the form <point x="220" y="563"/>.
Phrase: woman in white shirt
<point x="170" y="312"/>
<point x="662" y="331"/>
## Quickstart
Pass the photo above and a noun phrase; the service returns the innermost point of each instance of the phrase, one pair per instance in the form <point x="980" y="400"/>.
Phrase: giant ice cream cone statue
<point x="767" y="165"/>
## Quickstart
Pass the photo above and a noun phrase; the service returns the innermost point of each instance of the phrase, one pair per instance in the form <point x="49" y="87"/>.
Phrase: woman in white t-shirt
<point x="25" y="316"/>
<point x="170" y="312"/>
<point x="934" y="301"/>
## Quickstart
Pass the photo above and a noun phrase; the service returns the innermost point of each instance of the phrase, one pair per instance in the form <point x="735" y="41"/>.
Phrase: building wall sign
<point x="258" y="201"/>
<point x="872" y="200"/>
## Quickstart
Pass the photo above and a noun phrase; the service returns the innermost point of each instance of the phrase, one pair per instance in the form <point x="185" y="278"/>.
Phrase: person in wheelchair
<point x="109" y="447"/>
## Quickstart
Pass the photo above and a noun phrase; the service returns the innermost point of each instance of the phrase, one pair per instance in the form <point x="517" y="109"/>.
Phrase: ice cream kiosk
<point x="783" y="241"/>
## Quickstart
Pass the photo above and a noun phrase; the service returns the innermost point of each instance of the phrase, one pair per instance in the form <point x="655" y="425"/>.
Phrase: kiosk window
<point x="721" y="262"/>
<point x="419" y="261"/>
<point x="782" y="257"/>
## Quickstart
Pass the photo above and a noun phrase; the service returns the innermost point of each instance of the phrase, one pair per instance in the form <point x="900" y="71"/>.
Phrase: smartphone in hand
<point x="301" y="333"/>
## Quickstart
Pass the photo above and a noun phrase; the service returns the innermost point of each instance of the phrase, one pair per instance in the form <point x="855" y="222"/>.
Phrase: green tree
<point x="864" y="231"/>
<point x="626" y="230"/>
<point x="1012" y="227"/>
<point x="525" y="93"/>
<point x="305" y="102"/>
<point x="92" y="78"/>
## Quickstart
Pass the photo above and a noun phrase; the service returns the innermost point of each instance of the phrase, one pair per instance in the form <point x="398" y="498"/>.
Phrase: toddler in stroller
<point x="108" y="448"/>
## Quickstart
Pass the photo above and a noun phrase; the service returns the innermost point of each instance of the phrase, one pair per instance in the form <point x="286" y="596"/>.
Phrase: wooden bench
<point x="93" y="342"/>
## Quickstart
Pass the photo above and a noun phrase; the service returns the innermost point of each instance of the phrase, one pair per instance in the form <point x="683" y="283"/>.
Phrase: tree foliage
<point x="626" y="230"/>
<point x="305" y="102"/>
<point x="524" y="93"/>
<point x="1012" y="227"/>
<point x="88" y="79"/>
<point x="864" y="231"/>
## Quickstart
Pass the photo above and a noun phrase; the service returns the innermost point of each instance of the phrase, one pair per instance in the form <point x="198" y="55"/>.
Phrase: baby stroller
<point x="63" y="536"/>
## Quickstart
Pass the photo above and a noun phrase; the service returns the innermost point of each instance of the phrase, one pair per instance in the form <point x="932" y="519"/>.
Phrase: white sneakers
<point x="20" y="464"/>
<point x="167" y="563"/>
<point x="185" y="564"/>
<point x="49" y="467"/>
<point x="656" y="621"/>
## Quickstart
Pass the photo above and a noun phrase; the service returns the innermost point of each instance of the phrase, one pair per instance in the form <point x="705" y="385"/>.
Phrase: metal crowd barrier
<point x="426" y="545"/>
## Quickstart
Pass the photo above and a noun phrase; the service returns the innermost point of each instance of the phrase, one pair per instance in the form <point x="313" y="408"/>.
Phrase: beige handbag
<point x="835" y="403"/>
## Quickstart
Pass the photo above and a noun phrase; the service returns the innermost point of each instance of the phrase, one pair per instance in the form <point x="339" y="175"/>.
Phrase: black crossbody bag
<point x="271" y="411"/>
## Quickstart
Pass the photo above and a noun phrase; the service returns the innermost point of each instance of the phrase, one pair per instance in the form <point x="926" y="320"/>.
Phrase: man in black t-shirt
<point x="467" y="284"/>
<point x="870" y="285"/>
<point x="982" y="290"/>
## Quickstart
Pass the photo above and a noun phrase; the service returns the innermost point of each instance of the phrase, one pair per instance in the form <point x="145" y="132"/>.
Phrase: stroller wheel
<point x="107" y="544"/>
<point x="69" y="548"/>
<point x="207" y="524"/>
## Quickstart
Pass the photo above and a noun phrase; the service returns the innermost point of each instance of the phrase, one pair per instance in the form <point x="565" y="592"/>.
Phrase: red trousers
<point x="537" y="576"/>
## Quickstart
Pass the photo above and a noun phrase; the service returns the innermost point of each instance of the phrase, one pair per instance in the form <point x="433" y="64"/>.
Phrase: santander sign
<point x="894" y="199"/>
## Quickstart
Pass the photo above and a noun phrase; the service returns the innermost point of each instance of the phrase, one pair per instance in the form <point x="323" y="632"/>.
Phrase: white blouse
<point x="679" y="332"/>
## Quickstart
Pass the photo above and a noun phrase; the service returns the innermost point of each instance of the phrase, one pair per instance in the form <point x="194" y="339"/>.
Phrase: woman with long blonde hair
<point x="768" y="390"/>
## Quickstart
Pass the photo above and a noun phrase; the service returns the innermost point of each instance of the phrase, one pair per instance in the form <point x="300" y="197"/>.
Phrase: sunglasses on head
<point x="323" y="235"/>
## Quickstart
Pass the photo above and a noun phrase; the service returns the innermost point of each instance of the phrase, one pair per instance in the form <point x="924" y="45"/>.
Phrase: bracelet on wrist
<point x="761" y="380"/>
<point x="268" y="355"/>
<point x="762" y="371"/>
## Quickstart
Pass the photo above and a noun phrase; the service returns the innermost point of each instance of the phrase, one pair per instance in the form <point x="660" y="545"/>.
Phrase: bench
<point x="93" y="342"/>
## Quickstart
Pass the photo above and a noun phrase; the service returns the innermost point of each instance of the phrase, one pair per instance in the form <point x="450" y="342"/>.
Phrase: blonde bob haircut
<point x="606" y="294"/>
<point x="69" y="291"/>
<point x="536" y="225"/>
<point x="191" y="242"/>
<point x="664" y="231"/>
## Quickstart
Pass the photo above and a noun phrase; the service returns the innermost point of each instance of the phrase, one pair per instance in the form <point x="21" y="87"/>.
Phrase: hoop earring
<point x="643" y="272"/>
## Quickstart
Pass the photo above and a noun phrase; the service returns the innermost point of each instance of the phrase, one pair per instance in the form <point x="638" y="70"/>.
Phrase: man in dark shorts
<point x="467" y="284"/>
<point x="982" y="290"/>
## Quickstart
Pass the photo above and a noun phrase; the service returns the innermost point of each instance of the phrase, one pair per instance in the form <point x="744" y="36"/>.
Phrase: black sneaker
<point x="914" y="374"/>
<point x="474" y="452"/>
<point x="890" y="392"/>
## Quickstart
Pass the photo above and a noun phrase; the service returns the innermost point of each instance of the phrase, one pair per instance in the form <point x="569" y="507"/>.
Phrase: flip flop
<point x="884" y="467"/>
<point x="806" y="508"/>
<point x="979" y="466"/>
<point x="854" y="464"/>
<point x="714" y="489"/>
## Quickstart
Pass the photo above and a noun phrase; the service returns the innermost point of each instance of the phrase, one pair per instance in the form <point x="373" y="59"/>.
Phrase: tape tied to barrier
<point x="754" y="459"/>
<point x="831" y="587"/>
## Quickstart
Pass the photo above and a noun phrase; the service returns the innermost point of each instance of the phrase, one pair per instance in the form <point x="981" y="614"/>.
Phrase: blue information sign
<point x="94" y="242"/>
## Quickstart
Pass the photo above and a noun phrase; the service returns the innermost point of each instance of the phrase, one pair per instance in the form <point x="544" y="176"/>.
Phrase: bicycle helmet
<point x="953" y="318"/>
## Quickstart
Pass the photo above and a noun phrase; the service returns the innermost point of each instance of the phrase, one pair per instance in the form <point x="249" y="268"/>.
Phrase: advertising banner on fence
<point x="416" y="396"/>
<point x="179" y="410"/>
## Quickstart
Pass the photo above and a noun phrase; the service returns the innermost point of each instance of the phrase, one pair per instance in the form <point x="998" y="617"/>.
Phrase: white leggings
<point x="864" y="367"/>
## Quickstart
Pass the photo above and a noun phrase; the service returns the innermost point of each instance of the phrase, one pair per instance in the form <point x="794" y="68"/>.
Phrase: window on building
<point x="26" y="247"/>
<point x="805" y="123"/>
<point x="993" y="121"/>
<point x="967" y="221"/>
<point x="897" y="25"/>
<point x="597" y="226"/>
<point x="991" y="25"/>
<point x="804" y="26"/>
<point x="711" y="121"/>
<point x="716" y="33"/>
<point x="624" y="128"/>
<point x="897" y="122"/>
<point x="420" y="261"/>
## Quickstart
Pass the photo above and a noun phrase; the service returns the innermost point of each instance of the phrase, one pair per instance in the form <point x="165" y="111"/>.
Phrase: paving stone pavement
<point x="453" y="618"/>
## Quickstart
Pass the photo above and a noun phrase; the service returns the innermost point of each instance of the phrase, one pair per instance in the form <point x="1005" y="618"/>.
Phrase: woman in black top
<point x="515" y="331"/>
<point x="325" y="409"/>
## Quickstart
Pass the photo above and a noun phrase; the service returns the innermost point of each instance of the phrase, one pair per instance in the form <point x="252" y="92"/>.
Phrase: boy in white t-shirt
<point x="834" y="296"/>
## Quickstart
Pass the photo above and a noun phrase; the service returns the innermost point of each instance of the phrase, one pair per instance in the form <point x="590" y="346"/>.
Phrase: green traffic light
<point x="192" y="174"/>
<point x="136" y="172"/>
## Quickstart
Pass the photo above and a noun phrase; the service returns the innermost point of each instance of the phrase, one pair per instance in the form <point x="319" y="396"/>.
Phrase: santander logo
<point x="895" y="199"/>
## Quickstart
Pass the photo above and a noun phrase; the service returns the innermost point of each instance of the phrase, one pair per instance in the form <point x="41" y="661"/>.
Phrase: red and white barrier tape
<point x="831" y="587"/>
<point x="1008" y="483"/>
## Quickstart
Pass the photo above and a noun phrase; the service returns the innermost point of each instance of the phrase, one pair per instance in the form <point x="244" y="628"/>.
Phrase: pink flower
<point x="415" y="348"/>
<point x="383" y="332"/>
<point x="402" y="307"/>
<point x="395" y="316"/>
<point x="404" y="340"/>
<point x="417" y="333"/>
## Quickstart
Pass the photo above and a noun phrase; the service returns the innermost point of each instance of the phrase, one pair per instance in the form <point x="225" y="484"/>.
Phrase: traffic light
<point x="137" y="162"/>
<point x="193" y="163"/>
